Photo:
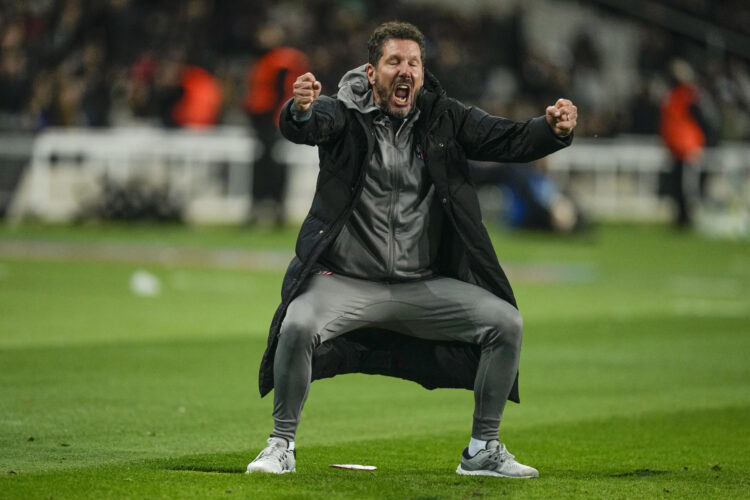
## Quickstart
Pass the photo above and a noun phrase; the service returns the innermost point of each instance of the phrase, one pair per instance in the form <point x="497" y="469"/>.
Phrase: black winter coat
<point x="447" y="133"/>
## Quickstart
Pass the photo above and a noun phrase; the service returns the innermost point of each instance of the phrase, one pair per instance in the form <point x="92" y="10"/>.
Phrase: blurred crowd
<point x="101" y="63"/>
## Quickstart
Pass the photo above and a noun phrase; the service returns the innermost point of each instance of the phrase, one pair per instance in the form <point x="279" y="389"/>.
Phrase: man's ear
<point x="371" y="74"/>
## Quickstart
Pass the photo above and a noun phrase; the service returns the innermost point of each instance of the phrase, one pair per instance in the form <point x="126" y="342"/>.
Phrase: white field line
<point x="699" y="286"/>
<point x="730" y="308"/>
<point x="222" y="258"/>
<point x="708" y="296"/>
<point x="232" y="258"/>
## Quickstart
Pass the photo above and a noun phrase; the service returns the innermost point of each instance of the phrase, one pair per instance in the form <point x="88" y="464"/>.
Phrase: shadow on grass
<point x="229" y="463"/>
<point x="208" y="469"/>
<point x="642" y="473"/>
<point x="572" y="460"/>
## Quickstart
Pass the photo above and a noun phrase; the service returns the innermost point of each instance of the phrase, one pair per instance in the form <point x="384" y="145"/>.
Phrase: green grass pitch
<point x="635" y="373"/>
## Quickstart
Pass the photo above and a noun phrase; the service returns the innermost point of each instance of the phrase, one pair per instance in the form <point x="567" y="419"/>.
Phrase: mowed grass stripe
<point x="650" y="456"/>
<point x="62" y="303"/>
<point x="633" y="369"/>
<point x="115" y="401"/>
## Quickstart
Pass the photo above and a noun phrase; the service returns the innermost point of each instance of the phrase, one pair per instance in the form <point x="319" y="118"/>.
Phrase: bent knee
<point x="296" y="332"/>
<point x="512" y="328"/>
<point x="505" y="326"/>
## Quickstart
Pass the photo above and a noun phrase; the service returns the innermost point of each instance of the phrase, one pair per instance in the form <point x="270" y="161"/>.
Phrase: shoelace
<point x="500" y="455"/>
<point x="276" y="452"/>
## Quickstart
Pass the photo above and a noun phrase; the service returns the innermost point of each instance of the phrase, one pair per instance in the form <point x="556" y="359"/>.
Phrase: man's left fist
<point x="562" y="117"/>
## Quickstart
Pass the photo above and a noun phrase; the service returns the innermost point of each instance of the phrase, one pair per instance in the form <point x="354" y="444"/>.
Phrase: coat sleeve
<point x="325" y="124"/>
<point x="491" y="138"/>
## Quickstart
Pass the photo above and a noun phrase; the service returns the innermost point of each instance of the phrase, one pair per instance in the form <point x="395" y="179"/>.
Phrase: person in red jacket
<point x="682" y="133"/>
<point x="183" y="95"/>
<point x="200" y="104"/>
<point x="270" y="83"/>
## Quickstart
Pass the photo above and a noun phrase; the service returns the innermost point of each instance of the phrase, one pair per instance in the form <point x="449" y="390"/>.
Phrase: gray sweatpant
<point x="433" y="309"/>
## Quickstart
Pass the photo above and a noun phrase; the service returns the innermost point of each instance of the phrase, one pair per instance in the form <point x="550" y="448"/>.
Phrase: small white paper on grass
<point x="353" y="466"/>
<point x="144" y="284"/>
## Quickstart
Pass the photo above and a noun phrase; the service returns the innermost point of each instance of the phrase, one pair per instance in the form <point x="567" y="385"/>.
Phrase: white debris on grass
<point x="144" y="284"/>
<point x="353" y="466"/>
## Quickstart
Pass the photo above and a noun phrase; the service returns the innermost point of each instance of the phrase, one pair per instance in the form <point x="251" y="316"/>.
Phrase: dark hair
<point x="392" y="30"/>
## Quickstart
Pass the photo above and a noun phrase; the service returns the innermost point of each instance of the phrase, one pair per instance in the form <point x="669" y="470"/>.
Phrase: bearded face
<point x="398" y="77"/>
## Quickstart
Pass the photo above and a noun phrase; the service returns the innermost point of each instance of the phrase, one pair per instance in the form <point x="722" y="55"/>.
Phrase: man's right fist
<point x="306" y="90"/>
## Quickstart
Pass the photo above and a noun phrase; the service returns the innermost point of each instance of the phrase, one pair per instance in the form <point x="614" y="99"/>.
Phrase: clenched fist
<point x="562" y="117"/>
<point x="306" y="90"/>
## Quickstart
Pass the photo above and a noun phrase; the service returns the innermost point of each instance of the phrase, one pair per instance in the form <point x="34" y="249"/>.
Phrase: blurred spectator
<point x="101" y="62"/>
<point x="200" y="100"/>
<point x="644" y="111"/>
<point x="181" y="95"/>
<point x="683" y="129"/>
<point x="166" y="90"/>
<point x="139" y="85"/>
<point x="95" y="100"/>
<point x="14" y="84"/>
<point x="270" y="83"/>
<point x="532" y="200"/>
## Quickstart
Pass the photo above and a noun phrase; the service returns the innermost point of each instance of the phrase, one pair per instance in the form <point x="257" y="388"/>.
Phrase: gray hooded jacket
<point x="393" y="233"/>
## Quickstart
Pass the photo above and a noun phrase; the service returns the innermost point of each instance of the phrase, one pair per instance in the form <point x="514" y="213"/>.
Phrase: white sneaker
<point x="276" y="458"/>
<point x="494" y="460"/>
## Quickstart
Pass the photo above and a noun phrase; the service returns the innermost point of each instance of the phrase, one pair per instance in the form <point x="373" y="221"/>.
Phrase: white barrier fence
<point x="209" y="172"/>
<point x="619" y="178"/>
<point x="206" y="172"/>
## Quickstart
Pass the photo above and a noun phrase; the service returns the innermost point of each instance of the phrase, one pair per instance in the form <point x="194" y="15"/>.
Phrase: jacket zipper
<point x="392" y="223"/>
<point x="392" y="212"/>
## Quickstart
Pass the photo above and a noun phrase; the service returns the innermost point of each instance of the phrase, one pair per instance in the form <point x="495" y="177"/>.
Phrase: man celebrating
<point x="394" y="273"/>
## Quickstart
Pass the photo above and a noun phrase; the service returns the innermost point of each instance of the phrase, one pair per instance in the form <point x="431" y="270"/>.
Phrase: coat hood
<point x="355" y="91"/>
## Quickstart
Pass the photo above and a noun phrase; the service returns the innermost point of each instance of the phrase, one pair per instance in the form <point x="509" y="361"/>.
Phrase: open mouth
<point x="401" y="94"/>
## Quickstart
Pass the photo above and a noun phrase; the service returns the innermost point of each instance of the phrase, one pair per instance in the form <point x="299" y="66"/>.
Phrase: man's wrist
<point x="299" y="115"/>
<point x="562" y="134"/>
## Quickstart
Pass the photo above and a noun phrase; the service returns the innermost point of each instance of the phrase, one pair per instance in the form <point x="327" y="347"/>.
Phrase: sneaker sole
<point x="264" y="471"/>
<point x="465" y="472"/>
